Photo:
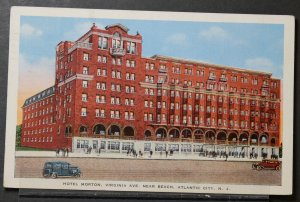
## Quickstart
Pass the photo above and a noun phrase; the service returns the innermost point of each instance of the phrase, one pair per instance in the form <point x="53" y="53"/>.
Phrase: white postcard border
<point x="288" y="91"/>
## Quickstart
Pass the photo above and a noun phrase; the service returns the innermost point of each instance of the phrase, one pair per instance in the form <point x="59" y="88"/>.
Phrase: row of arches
<point x="175" y="134"/>
<point x="100" y="129"/>
<point x="210" y="136"/>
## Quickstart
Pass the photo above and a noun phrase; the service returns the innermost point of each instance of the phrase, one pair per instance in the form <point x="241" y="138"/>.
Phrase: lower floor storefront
<point x="187" y="149"/>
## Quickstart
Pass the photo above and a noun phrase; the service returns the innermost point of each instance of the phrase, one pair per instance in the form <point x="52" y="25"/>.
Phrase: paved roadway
<point x="182" y="171"/>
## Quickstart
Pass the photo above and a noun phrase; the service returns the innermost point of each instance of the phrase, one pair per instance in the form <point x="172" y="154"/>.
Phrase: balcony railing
<point x="80" y="45"/>
<point x="223" y="79"/>
<point x="265" y="85"/>
<point x="212" y="77"/>
<point x="117" y="51"/>
<point x="162" y="70"/>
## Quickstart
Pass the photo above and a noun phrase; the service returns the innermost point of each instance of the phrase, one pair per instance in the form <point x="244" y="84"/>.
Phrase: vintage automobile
<point x="60" y="168"/>
<point x="267" y="164"/>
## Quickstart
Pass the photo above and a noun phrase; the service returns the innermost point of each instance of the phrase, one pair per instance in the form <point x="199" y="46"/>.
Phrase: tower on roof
<point x="125" y="29"/>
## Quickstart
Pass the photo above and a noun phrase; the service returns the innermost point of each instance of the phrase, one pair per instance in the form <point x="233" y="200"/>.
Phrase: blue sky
<point x="252" y="46"/>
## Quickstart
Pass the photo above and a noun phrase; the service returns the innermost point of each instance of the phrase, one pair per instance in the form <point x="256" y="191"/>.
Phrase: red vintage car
<point x="267" y="164"/>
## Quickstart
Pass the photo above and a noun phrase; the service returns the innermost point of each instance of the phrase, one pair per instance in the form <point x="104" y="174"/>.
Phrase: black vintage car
<point x="60" y="168"/>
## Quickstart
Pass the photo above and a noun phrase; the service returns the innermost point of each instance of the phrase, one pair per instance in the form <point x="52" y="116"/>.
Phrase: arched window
<point x="199" y="135"/>
<point x="254" y="139"/>
<point x="210" y="136"/>
<point x="221" y="137"/>
<point x="128" y="131"/>
<point x="116" y="41"/>
<point x="114" y="130"/>
<point x="243" y="138"/>
<point x="174" y="133"/>
<point x="161" y="133"/>
<point x="99" y="129"/>
<point x="83" y="129"/>
<point x="232" y="138"/>
<point x="147" y="134"/>
<point x="263" y="138"/>
<point x="186" y="133"/>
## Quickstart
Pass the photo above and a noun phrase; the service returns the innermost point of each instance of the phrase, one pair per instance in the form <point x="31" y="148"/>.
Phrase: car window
<point x="65" y="166"/>
<point x="48" y="165"/>
<point x="57" y="166"/>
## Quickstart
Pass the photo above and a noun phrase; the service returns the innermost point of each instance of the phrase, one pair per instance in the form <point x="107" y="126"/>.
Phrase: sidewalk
<point x="124" y="156"/>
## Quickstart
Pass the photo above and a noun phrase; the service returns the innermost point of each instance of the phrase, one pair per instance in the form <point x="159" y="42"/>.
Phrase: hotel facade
<point x="109" y="97"/>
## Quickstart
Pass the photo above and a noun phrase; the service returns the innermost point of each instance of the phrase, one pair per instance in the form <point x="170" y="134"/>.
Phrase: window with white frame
<point x="131" y="47"/>
<point x="85" y="56"/>
<point x="83" y="111"/>
<point x="98" y="85"/>
<point x="97" y="112"/>
<point x="84" y="84"/>
<point x="102" y="43"/>
<point x="132" y="63"/>
<point x="103" y="86"/>
<point x="84" y="97"/>
<point x="85" y="70"/>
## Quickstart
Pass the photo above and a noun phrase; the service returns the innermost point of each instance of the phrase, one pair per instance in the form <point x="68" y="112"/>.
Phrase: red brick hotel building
<point x="107" y="96"/>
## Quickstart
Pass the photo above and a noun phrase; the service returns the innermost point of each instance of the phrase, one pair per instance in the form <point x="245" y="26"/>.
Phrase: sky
<point x="244" y="45"/>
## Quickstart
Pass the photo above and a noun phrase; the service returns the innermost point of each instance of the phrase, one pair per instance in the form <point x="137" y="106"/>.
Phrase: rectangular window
<point x="132" y="63"/>
<point x="85" y="70"/>
<point x="84" y="84"/>
<point x="131" y="47"/>
<point x="99" y="58"/>
<point x="85" y="56"/>
<point x="98" y="72"/>
<point x="102" y="43"/>
<point x="103" y="86"/>
<point x="84" y="97"/>
<point x="97" y="111"/>
<point x="83" y="111"/>
<point x="104" y="59"/>
<point x="98" y="86"/>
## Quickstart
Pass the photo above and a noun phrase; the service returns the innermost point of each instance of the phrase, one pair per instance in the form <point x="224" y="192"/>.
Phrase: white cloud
<point x="214" y="32"/>
<point x="177" y="39"/>
<point x="79" y="29"/>
<point x="264" y="64"/>
<point x="28" y="30"/>
<point x="35" y="76"/>
<point x="259" y="62"/>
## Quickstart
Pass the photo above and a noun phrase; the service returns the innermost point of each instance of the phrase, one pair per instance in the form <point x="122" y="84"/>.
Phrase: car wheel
<point x="259" y="167"/>
<point x="277" y="168"/>
<point x="54" y="175"/>
<point x="77" y="175"/>
<point x="253" y="167"/>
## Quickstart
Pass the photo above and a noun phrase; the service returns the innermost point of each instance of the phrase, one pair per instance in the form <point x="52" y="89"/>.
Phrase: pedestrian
<point x="166" y="153"/>
<point x="151" y="152"/>
<point x="128" y="151"/>
<point x="67" y="152"/>
<point x="99" y="150"/>
<point x="57" y="152"/>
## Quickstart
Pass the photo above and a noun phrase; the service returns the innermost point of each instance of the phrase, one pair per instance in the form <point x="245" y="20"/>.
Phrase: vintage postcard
<point x="150" y="101"/>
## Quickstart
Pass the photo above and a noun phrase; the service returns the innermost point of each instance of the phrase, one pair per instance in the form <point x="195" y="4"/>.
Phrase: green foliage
<point x="18" y="135"/>
<point x="280" y="151"/>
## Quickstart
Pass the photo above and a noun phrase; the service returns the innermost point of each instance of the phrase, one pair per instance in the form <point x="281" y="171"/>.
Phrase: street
<point x="181" y="171"/>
